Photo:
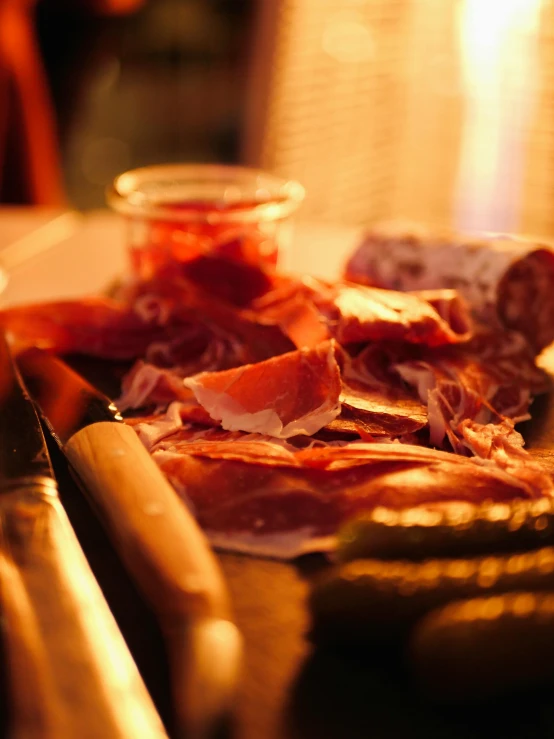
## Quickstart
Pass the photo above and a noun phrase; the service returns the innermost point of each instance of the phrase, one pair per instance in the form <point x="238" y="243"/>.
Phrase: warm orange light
<point x="347" y="38"/>
<point x="499" y="66"/>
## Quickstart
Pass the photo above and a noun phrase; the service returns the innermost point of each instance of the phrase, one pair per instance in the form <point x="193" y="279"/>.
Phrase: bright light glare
<point x="347" y="39"/>
<point x="499" y="71"/>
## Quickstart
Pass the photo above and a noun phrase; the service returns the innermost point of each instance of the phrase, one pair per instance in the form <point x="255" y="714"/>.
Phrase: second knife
<point x="67" y="668"/>
<point x="158" y="540"/>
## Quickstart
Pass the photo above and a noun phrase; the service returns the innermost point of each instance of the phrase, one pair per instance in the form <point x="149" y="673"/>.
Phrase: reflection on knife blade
<point x="69" y="672"/>
<point x="159" y="542"/>
<point x="23" y="453"/>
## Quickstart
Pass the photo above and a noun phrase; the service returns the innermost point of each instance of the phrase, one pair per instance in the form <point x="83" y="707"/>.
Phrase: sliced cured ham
<point x="309" y="311"/>
<point x="146" y="327"/>
<point x="296" y="393"/>
<point x="261" y="498"/>
<point x="498" y="275"/>
<point x="96" y="326"/>
<point x="291" y="304"/>
<point x="147" y="386"/>
<point x="250" y="337"/>
<point x="300" y="321"/>
<point x="358" y="314"/>
<point x="493" y="378"/>
<point x="152" y="429"/>
<point x="375" y="401"/>
<point x="382" y="413"/>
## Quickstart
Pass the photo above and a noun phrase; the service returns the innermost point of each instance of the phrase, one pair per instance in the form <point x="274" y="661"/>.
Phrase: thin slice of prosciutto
<point x="296" y="393"/>
<point x="510" y="278"/>
<point x="357" y="313"/>
<point x="254" y="495"/>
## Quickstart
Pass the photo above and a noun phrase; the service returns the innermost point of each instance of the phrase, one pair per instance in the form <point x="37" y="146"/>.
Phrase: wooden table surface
<point x="288" y="691"/>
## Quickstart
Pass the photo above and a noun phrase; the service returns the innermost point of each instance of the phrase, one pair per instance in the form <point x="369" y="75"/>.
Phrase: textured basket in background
<point x="436" y="110"/>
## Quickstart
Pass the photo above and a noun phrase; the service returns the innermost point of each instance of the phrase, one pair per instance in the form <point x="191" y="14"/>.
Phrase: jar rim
<point x="138" y="193"/>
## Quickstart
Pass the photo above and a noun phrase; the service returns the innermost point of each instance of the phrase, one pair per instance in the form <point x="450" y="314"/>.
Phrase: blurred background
<point x="435" y="110"/>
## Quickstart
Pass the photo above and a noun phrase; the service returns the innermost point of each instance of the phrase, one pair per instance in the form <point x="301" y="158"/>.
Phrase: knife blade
<point x="23" y="454"/>
<point x="69" y="672"/>
<point x="156" y="537"/>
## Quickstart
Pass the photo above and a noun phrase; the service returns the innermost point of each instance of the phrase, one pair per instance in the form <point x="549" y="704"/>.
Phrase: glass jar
<point x="176" y="212"/>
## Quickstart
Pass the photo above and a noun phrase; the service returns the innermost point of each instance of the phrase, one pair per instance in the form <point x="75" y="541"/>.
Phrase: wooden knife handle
<point x="170" y="559"/>
<point x="69" y="671"/>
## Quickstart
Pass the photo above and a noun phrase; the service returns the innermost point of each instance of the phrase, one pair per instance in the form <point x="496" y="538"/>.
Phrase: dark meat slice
<point x="299" y="320"/>
<point x="374" y="399"/>
<point x="385" y="412"/>
<point x="501" y="277"/>
<point x="291" y="304"/>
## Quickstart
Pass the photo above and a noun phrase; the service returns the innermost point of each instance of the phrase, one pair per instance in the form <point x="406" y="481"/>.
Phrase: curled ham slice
<point x="498" y="275"/>
<point x="146" y="327"/>
<point x="357" y="314"/>
<point x="146" y="385"/>
<point x="309" y="311"/>
<point x="296" y="393"/>
<point x="291" y="305"/>
<point x="152" y="429"/>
